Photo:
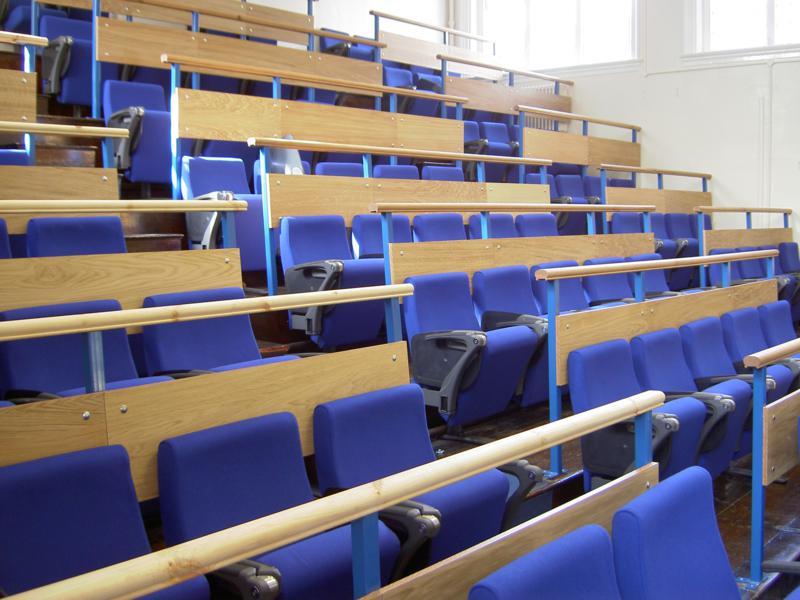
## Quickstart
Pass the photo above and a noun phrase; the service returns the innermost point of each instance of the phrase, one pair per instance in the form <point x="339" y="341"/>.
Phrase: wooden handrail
<point x="139" y="317"/>
<point x="21" y="39"/>
<point x="496" y="67"/>
<point x="745" y="209"/>
<point x="632" y="169"/>
<point x="458" y="32"/>
<point x="516" y="207"/>
<point x="772" y="355"/>
<point x="293" y="76"/>
<point x="391" y="151"/>
<point x="170" y="566"/>
<point x="649" y="265"/>
<point x="568" y="116"/>
<point x="54" y="129"/>
<point x="120" y="206"/>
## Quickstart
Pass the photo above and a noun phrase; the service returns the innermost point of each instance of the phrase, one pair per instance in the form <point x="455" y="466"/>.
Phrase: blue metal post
<point x="35" y="17"/>
<point x="701" y="225"/>
<point x="521" y="145"/>
<point x="366" y="555"/>
<point x="95" y="363"/>
<point x="757" y="506"/>
<point x="660" y="181"/>
<point x="174" y="139"/>
<point x="510" y="80"/>
<point x="603" y="183"/>
<point x="459" y="111"/>
<point x="554" y="392"/>
<point x="276" y="89"/>
<point x="642" y="439"/>
<point x="748" y="220"/>
<point x="392" y="109"/>
<point x="481" y="171"/>
<point x="638" y="286"/>
<point x="591" y="228"/>
<point x="485" y="225"/>
<point x="543" y="174"/>
<point x="633" y="179"/>
<point x="726" y="274"/>
<point x="228" y="224"/>
<point x="195" y="29"/>
<point x="96" y="105"/>
<point x="770" y="267"/>
<point x="705" y="184"/>
<point x="366" y="164"/>
<point x="647" y="226"/>
<point x="29" y="66"/>
<point x="394" y="332"/>
<point x="310" y="13"/>
<point x="376" y="51"/>
<point x="585" y="128"/>
<point x="269" y="247"/>
<point x="557" y="88"/>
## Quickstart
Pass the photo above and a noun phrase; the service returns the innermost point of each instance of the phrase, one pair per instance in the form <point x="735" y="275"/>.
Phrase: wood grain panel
<point x="582" y="329"/>
<point x="18" y="223"/>
<point x="453" y="577"/>
<point x="52" y="427"/>
<point x="243" y="11"/>
<point x="413" y="51"/>
<point x="56" y="183"/>
<point x="603" y="150"/>
<point x="128" y="278"/>
<point x="473" y="255"/>
<point x="780" y="437"/>
<point x="142" y="45"/>
<point x="740" y="238"/>
<point x="161" y="411"/>
<point x="665" y="201"/>
<point x="206" y="115"/>
<point x="500" y="98"/>
<point x="514" y="192"/>
<point x="532" y="96"/>
<point x="558" y="147"/>
<point x="17" y="96"/>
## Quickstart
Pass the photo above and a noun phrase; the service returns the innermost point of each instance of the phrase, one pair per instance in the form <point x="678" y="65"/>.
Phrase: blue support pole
<point x="96" y="103"/>
<point x="485" y="225"/>
<point x="276" y="89"/>
<point x="660" y="181"/>
<point x="510" y="80"/>
<point x="174" y="140"/>
<point x="366" y="555"/>
<point x="392" y="109"/>
<point x="543" y="174"/>
<point x="376" y="52"/>
<point x="35" y="17"/>
<point x="726" y="274"/>
<point x="633" y="179"/>
<point x="310" y="13"/>
<point x="557" y="88"/>
<point x="269" y="247"/>
<point x="394" y="332"/>
<point x="366" y="164"/>
<point x="647" y="226"/>
<point x="554" y="392"/>
<point x="95" y="363"/>
<point x="748" y="220"/>
<point x="603" y="183"/>
<point x="757" y="499"/>
<point x="642" y="439"/>
<point x="585" y="128"/>
<point x="29" y="66"/>
<point x="521" y="145"/>
<point x="459" y="111"/>
<point x="770" y="267"/>
<point x="703" y="269"/>
<point x="481" y="172"/>
<point x="591" y="228"/>
<point x="638" y="286"/>
<point x="195" y="29"/>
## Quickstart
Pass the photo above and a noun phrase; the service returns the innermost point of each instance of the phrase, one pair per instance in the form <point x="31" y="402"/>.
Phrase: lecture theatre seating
<point x="59" y="236"/>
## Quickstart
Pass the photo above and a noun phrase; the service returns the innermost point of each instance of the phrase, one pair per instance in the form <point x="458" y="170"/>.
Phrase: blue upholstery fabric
<point x="679" y="226"/>
<point x="499" y="144"/>
<point x="751" y="269"/>
<point x="591" y="185"/>
<point x="309" y="239"/>
<point x="66" y="236"/>
<point x="370" y="436"/>
<point x="11" y="157"/>
<point x="572" y="186"/>
<point x="536" y="225"/>
<point x="471" y="131"/>
<point x="627" y="223"/>
<point x="395" y="172"/>
<point x="715" y="271"/>
<point x="606" y="288"/>
<point x="393" y="77"/>
<point x="18" y="18"/>
<point x="56" y="363"/>
<point x="776" y="322"/>
<point x="706" y="224"/>
<point x="501" y="225"/>
<point x="789" y="257"/>
<point x="115" y="385"/>
<point x="203" y="175"/>
<point x="226" y="149"/>
<point x="433" y="172"/>
<point x="368" y="236"/>
<point x="5" y="244"/>
<point x="440" y="302"/>
<point x="654" y="281"/>
<point x="659" y="536"/>
<point x="426" y="82"/>
<point x="439" y="227"/>
<point x="571" y="294"/>
<point x="536" y="178"/>
<point x="576" y="566"/>
<point x="339" y="169"/>
<point x="70" y="514"/>
<point x="209" y="481"/>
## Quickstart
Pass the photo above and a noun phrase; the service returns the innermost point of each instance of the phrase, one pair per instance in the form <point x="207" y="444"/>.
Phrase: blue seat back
<point x="591" y="185"/>
<point x="659" y="362"/>
<point x="706" y="224"/>
<point x="394" y="77"/>
<point x="654" y="281"/>
<point x="200" y="175"/>
<point x="440" y="302"/>
<point x="434" y="173"/>
<point x="571" y="294"/>
<point x="679" y="226"/>
<point x="743" y="334"/>
<point x="776" y="322"/>
<point x="368" y="236"/>
<point x="570" y="185"/>
<point x="504" y="289"/>
<point x="593" y="383"/>
<point x="536" y="225"/>
<point x="309" y="239"/>
<point x="789" y="257"/>
<point x="551" y="183"/>
<point x="215" y="478"/>
<point x="52" y="27"/>
<point x="501" y="225"/>
<point x="715" y="271"/>
<point x="118" y="95"/>
<point x="339" y="169"/>
<point x="658" y="222"/>
<point x="495" y="133"/>
<point x="627" y="223"/>
<point x="370" y="436"/>
<point x="438" y="227"/>
<point x="471" y="131"/>
<point x="754" y="268"/>
<point x="704" y="348"/>
<point x="67" y="236"/>
<point x="395" y="172"/>
<point x="604" y="288"/>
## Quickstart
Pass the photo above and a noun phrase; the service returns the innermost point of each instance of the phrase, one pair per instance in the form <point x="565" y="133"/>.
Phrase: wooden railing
<point x="653" y="171"/>
<point x="20" y="39"/>
<point x="514" y="207"/>
<point x="439" y="28"/>
<point x="742" y="209"/>
<point x="504" y="68"/>
<point x="54" y="207"/>
<point x="567" y="116"/>
<point x="168" y="567"/>
<point x="68" y="130"/>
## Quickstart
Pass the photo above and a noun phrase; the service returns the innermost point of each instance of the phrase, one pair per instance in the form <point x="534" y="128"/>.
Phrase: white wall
<point x="736" y="120"/>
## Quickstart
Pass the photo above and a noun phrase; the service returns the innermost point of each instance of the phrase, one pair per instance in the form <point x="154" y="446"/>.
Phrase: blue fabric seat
<point x="339" y="169"/>
<point x="592" y="383"/>
<point x="659" y="537"/>
<point x="368" y="236"/>
<point x="71" y="514"/>
<point x="437" y="173"/>
<point x="429" y="83"/>
<point x="501" y="225"/>
<point x="227" y="149"/>
<point x="571" y="186"/>
<point x="370" y="436"/>
<point x="679" y="227"/>
<point x="776" y="322"/>
<point x="438" y="227"/>
<point x="661" y="365"/>
<point x="627" y="223"/>
<point x="18" y="17"/>
<point x="395" y="172"/>
<point x="571" y="294"/>
<point x="5" y="244"/>
<point x="57" y="364"/>
<point x="309" y="245"/>
<point x="654" y="282"/>
<point x="67" y="236"/>
<point x="202" y="344"/>
<point x="536" y="225"/>
<point x="499" y="144"/>
<point x="442" y="303"/>
<point x="12" y="157"/>
<point x="602" y="289"/>
<point x="576" y="566"/>
<point x="208" y="481"/>
<point x="665" y="246"/>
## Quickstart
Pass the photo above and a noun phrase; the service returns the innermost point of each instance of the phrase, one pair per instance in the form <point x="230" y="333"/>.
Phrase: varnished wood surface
<point x="771" y="355"/>
<point x="21" y="39"/>
<point x="653" y="171"/>
<point x="665" y="200"/>
<point x="69" y="183"/>
<point x="780" y="437"/>
<point x="17" y="96"/>
<point x="449" y="30"/>
<point x="494" y="96"/>
<point x="505" y="68"/>
<point x="742" y="238"/>
<point x="742" y="209"/>
<point x="568" y="116"/>
<point x="56" y="129"/>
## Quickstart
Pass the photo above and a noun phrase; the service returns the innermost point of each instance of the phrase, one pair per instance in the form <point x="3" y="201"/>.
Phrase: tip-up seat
<point x="602" y="289"/>
<point x="536" y="225"/>
<point x="776" y="322"/>
<point x="571" y="191"/>
<point x="5" y="243"/>
<point x="221" y="477"/>
<point x="368" y="235"/>
<point x="439" y="227"/>
<point x="501" y="225"/>
<point x="498" y="143"/>
<point x="67" y="236"/>
<point x="466" y="374"/>
<point x="437" y="173"/>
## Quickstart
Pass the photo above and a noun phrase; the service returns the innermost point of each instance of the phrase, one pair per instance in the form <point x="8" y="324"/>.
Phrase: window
<point x="558" y="33"/>
<point x="724" y="25"/>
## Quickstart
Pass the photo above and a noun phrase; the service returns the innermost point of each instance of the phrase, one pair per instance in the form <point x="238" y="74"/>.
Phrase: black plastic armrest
<point x="3" y="15"/>
<point x="683" y="243"/>
<point x="28" y="396"/>
<point x="341" y="48"/>
<point x="129" y="118"/>
<point x="416" y="523"/>
<point x="704" y="382"/>
<point x="312" y="277"/>
<point x="718" y="406"/>
<point x="514" y="147"/>
<point x="55" y="62"/>
<point x="251" y="579"/>
<point x="790" y="567"/>
<point x="561" y="200"/>
<point x="476" y="146"/>
<point x="527" y="476"/>
<point x="592" y="199"/>
<point x="182" y="373"/>
<point x="495" y="319"/>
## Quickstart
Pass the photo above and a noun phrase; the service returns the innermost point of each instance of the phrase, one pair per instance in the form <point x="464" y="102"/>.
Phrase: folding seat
<point x="339" y="169"/>
<point x="395" y="172"/>
<point x="398" y="78"/>
<point x="661" y="365"/>
<point x="427" y="83"/>
<point x="66" y="236"/>
<point x="627" y="223"/>
<point x="465" y="373"/>
<point x="67" y="60"/>
<point x="14" y="157"/>
<point x="17" y="15"/>
<point x="42" y="368"/>
<point x="776" y="322"/>
<point x="603" y="373"/>
<point x="316" y="255"/>
<point x="159" y="77"/>
<point x="659" y="537"/>
<point x="368" y="235"/>
<point x="753" y="270"/>
<point x="575" y="566"/>
<point x="503" y="298"/>
<point x="141" y="108"/>
<point x="5" y="244"/>
<point x="591" y="186"/>
<point x="70" y="514"/>
<point x="551" y="182"/>
<point x="679" y="227"/>
<point x="225" y="149"/>
<point x="437" y="173"/>
<point x="571" y="191"/>
<point x="438" y="227"/>
<point x="474" y="143"/>
<point x="571" y="294"/>
<point x="536" y="225"/>
<point x="706" y="224"/>
<point x="619" y="182"/>
<point x="601" y="289"/>
<point x="349" y="454"/>
<point x="203" y="345"/>
<point x="789" y="257"/>
<point x="501" y="225"/>
<point x="214" y="479"/>
<point x="666" y="247"/>
<point x="499" y="143"/>
<point x="654" y="282"/>
<point x="565" y="169"/>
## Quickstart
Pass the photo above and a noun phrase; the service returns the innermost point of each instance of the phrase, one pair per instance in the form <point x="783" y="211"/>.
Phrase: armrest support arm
<point x="416" y="523"/>
<point x="55" y="62"/>
<point x="312" y="277"/>
<point x="253" y="580"/>
<point x="527" y="476"/>
<point x="130" y="118"/>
